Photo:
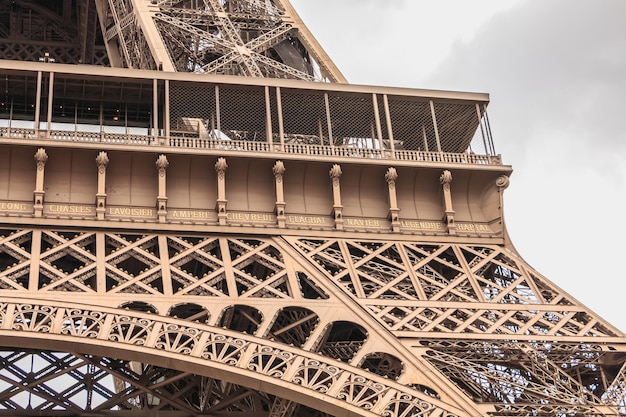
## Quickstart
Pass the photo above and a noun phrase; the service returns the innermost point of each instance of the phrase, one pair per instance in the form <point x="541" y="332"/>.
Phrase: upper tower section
<point x="253" y="38"/>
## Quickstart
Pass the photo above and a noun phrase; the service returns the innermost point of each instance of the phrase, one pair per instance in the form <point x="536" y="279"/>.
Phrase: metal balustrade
<point x="250" y="146"/>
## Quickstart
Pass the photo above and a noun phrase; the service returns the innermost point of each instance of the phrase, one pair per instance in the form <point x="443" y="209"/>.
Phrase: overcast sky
<point x="556" y="73"/>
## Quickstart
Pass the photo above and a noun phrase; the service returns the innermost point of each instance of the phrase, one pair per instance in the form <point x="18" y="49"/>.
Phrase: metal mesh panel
<point x="242" y="113"/>
<point x="304" y="117"/>
<point x="456" y="124"/>
<point x="412" y="124"/>
<point x="274" y="114"/>
<point x="386" y="136"/>
<point x="353" y="122"/>
<point x="192" y="109"/>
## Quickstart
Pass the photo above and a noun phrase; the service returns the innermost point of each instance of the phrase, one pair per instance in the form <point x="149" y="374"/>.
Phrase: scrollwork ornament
<point x="130" y="330"/>
<point x="503" y="182"/>
<point x="41" y="157"/>
<point x="316" y="375"/>
<point x="82" y="323"/>
<point x="34" y="318"/>
<point x="224" y="349"/>
<point x="270" y="361"/>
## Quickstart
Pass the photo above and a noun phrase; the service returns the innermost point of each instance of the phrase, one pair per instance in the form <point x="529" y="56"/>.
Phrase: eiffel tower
<point x="200" y="217"/>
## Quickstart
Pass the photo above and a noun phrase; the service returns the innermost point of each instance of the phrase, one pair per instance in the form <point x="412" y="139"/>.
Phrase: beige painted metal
<point x="183" y="245"/>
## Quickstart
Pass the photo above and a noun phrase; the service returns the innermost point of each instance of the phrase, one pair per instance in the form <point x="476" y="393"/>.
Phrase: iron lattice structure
<point x="252" y="38"/>
<point x="188" y="245"/>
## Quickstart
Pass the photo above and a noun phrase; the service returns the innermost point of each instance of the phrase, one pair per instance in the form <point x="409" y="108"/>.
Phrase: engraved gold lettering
<point x="9" y="206"/>
<point x="69" y="209"/>
<point x="132" y="212"/>
<point x="251" y="217"/>
<point x="414" y="224"/>
<point x="365" y="223"/>
<point x="308" y="220"/>
<point x="191" y="214"/>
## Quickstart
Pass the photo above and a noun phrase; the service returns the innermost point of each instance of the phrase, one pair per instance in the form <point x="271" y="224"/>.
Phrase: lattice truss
<point x="475" y="317"/>
<point x="62" y="31"/>
<point x="236" y="37"/>
<point x="471" y="291"/>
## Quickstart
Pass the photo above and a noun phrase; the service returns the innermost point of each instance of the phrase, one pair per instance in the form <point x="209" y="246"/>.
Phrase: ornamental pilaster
<point x="279" y="171"/>
<point x="446" y="180"/>
<point x="335" y="176"/>
<point x="102" y="160"/>
<point x="41" y="157"/>
<point x="391" y="176"/>
<point x="220" y="207"/>
<point x="161" y="164"/>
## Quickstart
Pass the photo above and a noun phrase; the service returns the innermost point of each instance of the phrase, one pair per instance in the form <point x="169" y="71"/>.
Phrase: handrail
<point x="191" y="142"/>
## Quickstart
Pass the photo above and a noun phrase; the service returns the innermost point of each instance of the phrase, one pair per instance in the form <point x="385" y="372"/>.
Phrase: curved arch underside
<point x="191" y="351"/>
<point x="342" y="326"/>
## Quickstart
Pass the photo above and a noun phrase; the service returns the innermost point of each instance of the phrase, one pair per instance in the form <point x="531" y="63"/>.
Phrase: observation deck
<point x="95" y="105"/>
<point x="272" y="155"/>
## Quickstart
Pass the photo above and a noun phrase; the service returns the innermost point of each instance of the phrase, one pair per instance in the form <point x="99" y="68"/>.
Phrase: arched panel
<point x="214" y="352"/>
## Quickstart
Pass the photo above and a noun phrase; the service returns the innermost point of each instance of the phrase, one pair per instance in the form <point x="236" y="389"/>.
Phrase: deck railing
<point x="247" y="146"/>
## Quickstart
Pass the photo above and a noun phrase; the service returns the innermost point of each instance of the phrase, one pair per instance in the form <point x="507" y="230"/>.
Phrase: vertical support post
<point x="328" y="121"/>
<point x="217" y="108"/>
<point x="155" y="109"/>
<point x="101" y="120"/>
<point x="38" y="101"/>
<point x="335" y="176"/>
<point x="281" y="126"/>
<point x="279" y="171"/>
<point x="389" y="127"/>
<point x="446" y="180"/>
<point x="41" y="157"/>
<point x="166" y="273"/>
<point x="502" y="183"/>
<point x="101" y="271"/>
<point x="162" y="163"/>
<point x="488" y="126"/>
<point x="166" y="114"/>
<point x="425" y="137"/>
<point x="482" y="129"/>
<point x="268" y="119"/>
<point x="379" y="129"/>
<point x="432" y="112"/>
<point x="50" y="98"/>
<point x="35" y="254"/>
<point x="102" y="160"/>
<point x="394" y="212"/>
<point x="220" y="168"/>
